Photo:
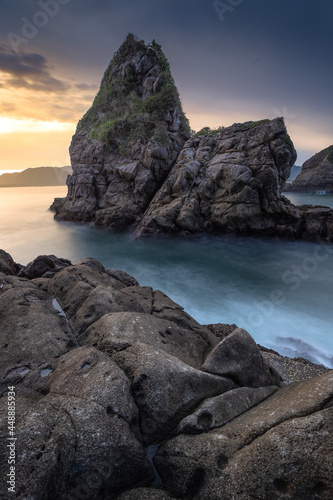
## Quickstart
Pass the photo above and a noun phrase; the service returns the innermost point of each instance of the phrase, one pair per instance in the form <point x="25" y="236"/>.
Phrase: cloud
<point x="7" y="107"/>
<point x="86" y="86"/>
<point x="29" y="71"/>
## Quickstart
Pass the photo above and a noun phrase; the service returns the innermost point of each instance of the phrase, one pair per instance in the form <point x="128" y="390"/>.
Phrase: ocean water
<point x="279" y="291"/>
<point x="310" y="199"/>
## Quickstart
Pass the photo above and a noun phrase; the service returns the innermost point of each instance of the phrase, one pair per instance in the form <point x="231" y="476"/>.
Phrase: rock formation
<point x="316" y="175"/>
<point x="120" y="394"/>
<point x="126" y="143"/>
<point x="135" y="164"/>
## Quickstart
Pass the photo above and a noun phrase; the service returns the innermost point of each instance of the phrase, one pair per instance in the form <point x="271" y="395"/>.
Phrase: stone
<point x="7" y="264"/>
<point x="296" y="421"/>
<point x="117" y="331"/>
<point x="126" y="143"/>
<point x="165" y="388"/>
<point x="43" y="266"/>
<point x="218" y="411"/>
<point x="316" y="174"/>
<point x="32" y="331"/>
<point x="238" y="357"/>
<point x="226" y="182"/>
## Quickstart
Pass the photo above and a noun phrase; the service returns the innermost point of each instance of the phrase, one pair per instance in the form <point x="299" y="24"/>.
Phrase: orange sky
<point x="38" y="118"/>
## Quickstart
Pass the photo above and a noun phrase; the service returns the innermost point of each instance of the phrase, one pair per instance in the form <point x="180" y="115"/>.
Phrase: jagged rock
<point x="7" y="265"/>
<point x="316" y="174"/>
<point x="165" y="388"/>
<point x="293" y="423"/>
<point x="218" y="411"/>
<point x="43" y="266"/>
<point x="135" y="164"/>
<point x="228" y="182"/>
<point x="237" y="356"/>
<point x="126" y="143"/>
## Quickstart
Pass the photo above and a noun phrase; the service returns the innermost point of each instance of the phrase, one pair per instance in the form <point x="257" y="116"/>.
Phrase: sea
<point x="279" y="291"/>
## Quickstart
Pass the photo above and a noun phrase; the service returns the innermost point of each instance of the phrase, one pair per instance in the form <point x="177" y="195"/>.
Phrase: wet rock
<point x="238" y="357"/>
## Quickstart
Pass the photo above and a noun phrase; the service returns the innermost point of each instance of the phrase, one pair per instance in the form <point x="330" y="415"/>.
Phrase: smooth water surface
<point x="269" y="287"/>
<point x="325" y="200"/>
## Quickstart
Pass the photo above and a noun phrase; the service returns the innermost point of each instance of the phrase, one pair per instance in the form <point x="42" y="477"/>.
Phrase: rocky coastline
<point x="121" y="395"/>
<point x="316" y="175"/>
<point x="136" y="163"/>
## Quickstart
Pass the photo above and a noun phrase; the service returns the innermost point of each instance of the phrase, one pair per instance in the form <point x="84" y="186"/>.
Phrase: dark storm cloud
<point x="29" y="71"/>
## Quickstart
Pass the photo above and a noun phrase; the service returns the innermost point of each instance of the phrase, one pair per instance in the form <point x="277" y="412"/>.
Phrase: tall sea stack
<point x="126" y="143"/>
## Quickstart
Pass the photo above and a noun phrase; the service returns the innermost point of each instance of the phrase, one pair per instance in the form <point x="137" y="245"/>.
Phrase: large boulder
<point x="233" y="461"/>
<point x="111" y="399"/>
<point x="126" y="143"/>
<point x="316" y="174"/>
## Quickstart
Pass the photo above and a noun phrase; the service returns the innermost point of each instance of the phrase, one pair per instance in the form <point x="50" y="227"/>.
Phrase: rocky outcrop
<point x="228" y="182"/>
<point x="135" y="164"/>
<point x="316" y="175"/>
<point x="126" y="143"/>
<point x="121" y="394"/>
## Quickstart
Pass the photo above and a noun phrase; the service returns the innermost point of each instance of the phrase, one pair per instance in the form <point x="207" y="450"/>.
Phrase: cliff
<point x="126" y="143"/>
<point x="136" y="165"/>
<point x="316" y="174"/>
<point x="39" y="176"/>
<point x="120" y="394"/>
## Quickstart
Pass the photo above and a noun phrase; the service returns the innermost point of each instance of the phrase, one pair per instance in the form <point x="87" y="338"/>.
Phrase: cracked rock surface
<point x="120" y="394"/>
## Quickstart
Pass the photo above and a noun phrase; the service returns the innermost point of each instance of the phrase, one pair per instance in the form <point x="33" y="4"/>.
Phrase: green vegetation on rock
<point x="120" y="113"/>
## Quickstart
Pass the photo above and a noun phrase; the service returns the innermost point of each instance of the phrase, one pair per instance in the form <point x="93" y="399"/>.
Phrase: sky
<point x="232" y="61"/>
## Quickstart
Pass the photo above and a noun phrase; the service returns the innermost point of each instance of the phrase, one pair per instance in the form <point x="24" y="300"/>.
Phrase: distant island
<point x="39" y="176"/>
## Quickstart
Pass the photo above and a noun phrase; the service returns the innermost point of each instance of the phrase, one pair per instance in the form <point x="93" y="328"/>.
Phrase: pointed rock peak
<point x="137" y="100"/>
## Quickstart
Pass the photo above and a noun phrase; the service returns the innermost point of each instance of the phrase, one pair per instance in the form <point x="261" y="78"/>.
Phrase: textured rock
<point x="118" y="331"/>
<point x="316" y="174"/>
<point x="7" y="265"/>
<point x="43" y="266"/>
<point x="238" y="357"/>
<point x="218" y="411"/>
<point x="126" y="143"/>
<point x="165" y="388"/>
<point x="90" y="424"/>
<point x="228" y="182"/>
<point x="214" y="465"/>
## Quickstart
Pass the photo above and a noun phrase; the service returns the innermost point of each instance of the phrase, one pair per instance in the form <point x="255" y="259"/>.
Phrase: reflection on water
<point x="271" y="288"/>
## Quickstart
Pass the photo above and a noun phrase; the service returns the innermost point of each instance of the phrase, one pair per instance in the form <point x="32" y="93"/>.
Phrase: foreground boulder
<point x="316" y="175"/>
<point x="120" y="394"/>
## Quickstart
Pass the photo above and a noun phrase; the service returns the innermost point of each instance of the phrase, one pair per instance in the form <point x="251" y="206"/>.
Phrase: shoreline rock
<point x="117" y="388"/>
<point x="316" y="175"/>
